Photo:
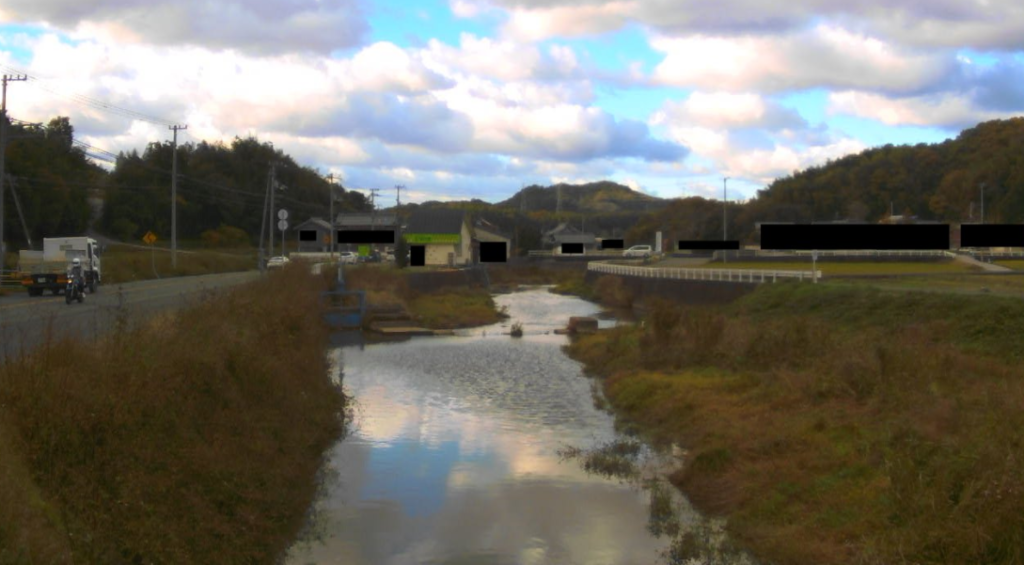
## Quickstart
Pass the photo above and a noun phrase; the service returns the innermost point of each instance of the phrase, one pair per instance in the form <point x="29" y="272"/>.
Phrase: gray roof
<point x="318" y="223"/>
<point x="584" y="238"/>
<point x="436" y="220"/>
<point x="484" y="234"/>
<point x="366" y="219"/>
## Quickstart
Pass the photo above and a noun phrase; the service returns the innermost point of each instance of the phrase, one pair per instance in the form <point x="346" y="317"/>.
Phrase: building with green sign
<point x="444" y="234"/>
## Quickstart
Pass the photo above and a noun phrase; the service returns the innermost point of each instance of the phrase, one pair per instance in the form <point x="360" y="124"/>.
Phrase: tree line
<point x="221" y="188"/>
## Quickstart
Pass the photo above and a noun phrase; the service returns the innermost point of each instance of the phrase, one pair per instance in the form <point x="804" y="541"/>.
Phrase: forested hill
<point x="594" y="197"/>
<point x="221" y="188"/>
<point x="938" y="181"/>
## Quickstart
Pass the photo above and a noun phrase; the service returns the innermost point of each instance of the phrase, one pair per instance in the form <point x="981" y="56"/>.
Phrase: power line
<point x="84" y="100"/>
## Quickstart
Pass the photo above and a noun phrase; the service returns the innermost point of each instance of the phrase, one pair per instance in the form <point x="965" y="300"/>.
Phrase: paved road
<point x="26" y="321"/>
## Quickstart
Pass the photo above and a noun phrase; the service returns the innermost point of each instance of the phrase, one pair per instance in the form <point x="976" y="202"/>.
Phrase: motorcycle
<point x="74" y="291"/>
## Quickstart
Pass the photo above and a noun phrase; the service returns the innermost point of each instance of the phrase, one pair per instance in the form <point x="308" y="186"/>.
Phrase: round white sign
<point x="282" y="225"/>
<point x="282" y="214"/>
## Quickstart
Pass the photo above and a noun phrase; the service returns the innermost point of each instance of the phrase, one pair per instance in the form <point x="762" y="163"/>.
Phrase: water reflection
<point x="454" y="454"/>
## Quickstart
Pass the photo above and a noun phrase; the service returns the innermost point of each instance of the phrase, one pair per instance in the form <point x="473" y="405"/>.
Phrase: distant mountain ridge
<point x="595" y="197"/>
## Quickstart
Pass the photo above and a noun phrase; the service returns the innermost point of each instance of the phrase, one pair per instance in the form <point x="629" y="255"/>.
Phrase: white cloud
<point x="261" y="27"/>
<point x="825" y="56"/>
<point x="533" y="24"/>
<point x="723" y="109"/>
<point x="943" y="109"/>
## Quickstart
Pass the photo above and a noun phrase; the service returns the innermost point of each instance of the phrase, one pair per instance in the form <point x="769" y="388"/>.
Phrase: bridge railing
<point x="724" y="275"/>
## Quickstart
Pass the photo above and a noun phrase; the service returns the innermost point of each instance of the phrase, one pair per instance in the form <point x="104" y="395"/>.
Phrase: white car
<point x="348" y="258"/>
<point x="277" y="262"/>
<point x="638" y="251"/>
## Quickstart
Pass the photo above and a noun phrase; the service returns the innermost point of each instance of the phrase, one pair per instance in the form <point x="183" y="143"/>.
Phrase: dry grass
<point x="125" y="264"/>
<point x="447" y="308"/>
<point x="194" y="439"/>
<point x="838" y="425"/>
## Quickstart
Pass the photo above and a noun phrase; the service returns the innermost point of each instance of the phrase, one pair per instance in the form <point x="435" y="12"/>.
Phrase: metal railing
<point x="724" y="275"/>
<point x="880" y="253"/>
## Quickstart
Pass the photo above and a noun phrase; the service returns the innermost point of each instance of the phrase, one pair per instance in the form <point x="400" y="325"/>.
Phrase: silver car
<point x="638" y="251"/>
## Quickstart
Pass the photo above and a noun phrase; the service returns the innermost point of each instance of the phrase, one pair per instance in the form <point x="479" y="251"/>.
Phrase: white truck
<point x="48" y="269"/>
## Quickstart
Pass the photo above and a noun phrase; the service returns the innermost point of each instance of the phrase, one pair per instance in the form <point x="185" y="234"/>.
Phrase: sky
<point x="459" y="99"/>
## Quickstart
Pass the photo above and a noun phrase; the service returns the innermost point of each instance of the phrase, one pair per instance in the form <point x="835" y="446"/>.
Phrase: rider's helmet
<point x="76" y="262"/>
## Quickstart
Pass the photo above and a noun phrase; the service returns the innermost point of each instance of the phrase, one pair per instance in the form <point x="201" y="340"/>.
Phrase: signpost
<point x="282" y="225"/>
<point x="149" y="239"/>
<point x="814" y="266"/>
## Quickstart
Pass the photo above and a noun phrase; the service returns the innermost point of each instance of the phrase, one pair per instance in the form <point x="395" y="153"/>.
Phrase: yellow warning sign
<point x="149" y="238"/>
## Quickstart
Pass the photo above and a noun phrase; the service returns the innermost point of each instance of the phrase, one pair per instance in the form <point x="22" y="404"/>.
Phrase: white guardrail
<point x="724" y="275"/>
<point x="880" y="253"/>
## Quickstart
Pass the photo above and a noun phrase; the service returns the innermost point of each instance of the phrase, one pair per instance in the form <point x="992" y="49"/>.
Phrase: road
<point x="25" y="322"/>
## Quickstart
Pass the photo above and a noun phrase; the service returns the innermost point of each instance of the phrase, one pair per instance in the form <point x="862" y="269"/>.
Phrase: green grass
<point x="858" y="268"/>
<point x="837" y="423"/>
<point x="159" y="444"/>
<point x="1015" y="264"/>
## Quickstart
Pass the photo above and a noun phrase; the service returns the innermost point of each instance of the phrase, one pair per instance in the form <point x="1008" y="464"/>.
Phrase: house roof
<point x="561" y="228"/>
<point x="366" y="219"/>
<point x="585" y="238"/>
<point x="486" y="231"/>
<point x="437" y="220"/>
<point x="484" y="234"/>
<point x="318" y="223"/>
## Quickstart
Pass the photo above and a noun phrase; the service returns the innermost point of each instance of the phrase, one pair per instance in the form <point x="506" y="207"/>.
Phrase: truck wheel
<point x="55" y="291"/>
<point x="35" y="291"/>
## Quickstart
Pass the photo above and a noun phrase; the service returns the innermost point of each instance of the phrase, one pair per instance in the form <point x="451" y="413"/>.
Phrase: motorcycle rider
<point x="76" y="274"/>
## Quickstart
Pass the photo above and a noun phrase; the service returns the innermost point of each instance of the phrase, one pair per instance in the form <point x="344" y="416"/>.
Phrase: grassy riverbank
<point x="196" y="438"/>
<point x="445" y="308"/>
<point x="837" y="425"/>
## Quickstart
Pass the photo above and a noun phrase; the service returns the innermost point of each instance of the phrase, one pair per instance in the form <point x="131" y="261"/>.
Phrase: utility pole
<point x="263" y="225"/>
<point x="398" y="194"/>
<point x="983" y="203"/>
<point x="725" y="225"/>
<point x="558" y="202"/>
<point x="174" y="195"/>
<point x="3" y="152"/>
<point x="273" y="189"/>
<point x="334" y="230"/>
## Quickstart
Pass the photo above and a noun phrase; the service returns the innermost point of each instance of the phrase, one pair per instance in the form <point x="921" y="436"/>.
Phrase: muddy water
<point x="453" y="457"/>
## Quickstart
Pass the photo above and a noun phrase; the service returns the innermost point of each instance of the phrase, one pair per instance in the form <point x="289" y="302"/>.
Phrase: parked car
<point x="638" y="251"/>
<point x="348" y="257"/>
<point x="277" y="262"/>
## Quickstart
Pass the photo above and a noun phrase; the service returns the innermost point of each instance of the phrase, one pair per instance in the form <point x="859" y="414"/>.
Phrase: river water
<point x="453" y="454"/>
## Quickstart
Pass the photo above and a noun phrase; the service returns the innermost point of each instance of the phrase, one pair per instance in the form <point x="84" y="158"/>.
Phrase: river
<point x="453" y="454"/>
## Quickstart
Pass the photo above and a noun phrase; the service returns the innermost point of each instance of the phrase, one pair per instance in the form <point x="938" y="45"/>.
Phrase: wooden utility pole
<point x="334" y="230"/>
<point x="3" y="152"/>
<point x="398" y="194"/>
<point x="174" y="195"/>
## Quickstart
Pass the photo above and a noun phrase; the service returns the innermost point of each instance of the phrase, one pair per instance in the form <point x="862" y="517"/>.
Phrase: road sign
<point x="282" y="224"/>
<point x="282" y="214"/>
<point x="149" y="238"/>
